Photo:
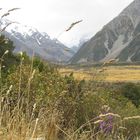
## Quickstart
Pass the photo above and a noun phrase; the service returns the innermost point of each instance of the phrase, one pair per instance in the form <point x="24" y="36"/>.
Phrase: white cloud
<point x="53" y="16"/>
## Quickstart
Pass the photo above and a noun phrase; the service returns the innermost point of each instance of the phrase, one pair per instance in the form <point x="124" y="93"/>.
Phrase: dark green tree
<point x="7" y="58"/>
<point x="132" y="92"/>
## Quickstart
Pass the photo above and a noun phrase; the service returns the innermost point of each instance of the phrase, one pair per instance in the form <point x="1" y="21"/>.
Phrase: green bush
<point x="132" y="92"/>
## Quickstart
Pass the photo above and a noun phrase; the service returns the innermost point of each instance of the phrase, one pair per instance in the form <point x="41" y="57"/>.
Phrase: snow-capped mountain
<point x="119" y="39"/>
<point x="30" y="40"/>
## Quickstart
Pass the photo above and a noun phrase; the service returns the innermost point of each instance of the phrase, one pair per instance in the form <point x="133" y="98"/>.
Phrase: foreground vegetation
<point x="37" y="102"/>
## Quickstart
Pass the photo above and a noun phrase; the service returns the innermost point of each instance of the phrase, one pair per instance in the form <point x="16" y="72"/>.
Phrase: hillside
<point x="119" y="39"/>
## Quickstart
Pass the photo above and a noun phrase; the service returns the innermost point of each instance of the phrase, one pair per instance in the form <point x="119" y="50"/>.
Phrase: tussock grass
<point x="37" y="103"/>
<point x="110" y="73"/>
<point x="25" y="116"/>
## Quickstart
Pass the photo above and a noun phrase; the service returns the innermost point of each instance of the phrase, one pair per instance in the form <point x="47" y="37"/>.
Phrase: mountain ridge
<point x="114" y="40"/>
<point x="31" y="41"/>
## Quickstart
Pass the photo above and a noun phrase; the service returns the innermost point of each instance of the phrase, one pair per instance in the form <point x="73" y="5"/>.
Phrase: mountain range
<point x="119" y="39"/>
<point x="30" y="40"/>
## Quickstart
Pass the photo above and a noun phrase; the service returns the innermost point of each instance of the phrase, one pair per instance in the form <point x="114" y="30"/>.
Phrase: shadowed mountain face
<point x="31" y="41"/>
<point x="119" y="39"/>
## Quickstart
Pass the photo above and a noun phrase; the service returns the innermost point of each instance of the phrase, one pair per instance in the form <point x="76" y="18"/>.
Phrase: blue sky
<point x="54" y="16"/>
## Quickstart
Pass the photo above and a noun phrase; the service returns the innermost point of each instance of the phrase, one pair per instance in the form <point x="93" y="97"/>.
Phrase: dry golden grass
<point x="123" y="73"/>
<point x="79" y="74"/>
<point x="110" y="73"/>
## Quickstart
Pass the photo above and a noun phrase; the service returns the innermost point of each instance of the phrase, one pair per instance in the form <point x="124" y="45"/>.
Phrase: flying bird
<point x="73" y="24"/>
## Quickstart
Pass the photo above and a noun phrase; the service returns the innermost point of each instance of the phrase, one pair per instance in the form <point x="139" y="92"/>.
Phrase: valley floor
<point x="127" y="73"/>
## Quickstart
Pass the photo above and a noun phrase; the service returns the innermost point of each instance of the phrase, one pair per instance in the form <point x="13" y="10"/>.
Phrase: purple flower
<point x="106" y="126"/>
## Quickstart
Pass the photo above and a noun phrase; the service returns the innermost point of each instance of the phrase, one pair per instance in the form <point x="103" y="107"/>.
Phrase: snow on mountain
<point x="30" y="40"/>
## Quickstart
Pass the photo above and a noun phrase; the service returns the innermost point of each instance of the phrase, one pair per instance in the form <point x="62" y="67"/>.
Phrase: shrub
<point x="132" y="92"/>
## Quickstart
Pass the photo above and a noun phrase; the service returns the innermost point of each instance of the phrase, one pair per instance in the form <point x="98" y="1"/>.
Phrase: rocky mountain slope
<point x="119" y="39"/>
<point x="30" y="40"/>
